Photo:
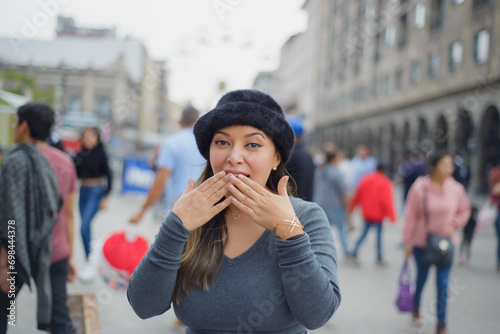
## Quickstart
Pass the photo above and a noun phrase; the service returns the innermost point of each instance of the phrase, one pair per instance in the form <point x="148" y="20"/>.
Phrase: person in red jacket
<point x="374" y="195"/>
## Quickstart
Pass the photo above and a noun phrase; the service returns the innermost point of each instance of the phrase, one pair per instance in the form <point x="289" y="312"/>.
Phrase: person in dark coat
<point x="410" y="170"/>
<point x="467" y="235"/>
<point x="301" y="165"/>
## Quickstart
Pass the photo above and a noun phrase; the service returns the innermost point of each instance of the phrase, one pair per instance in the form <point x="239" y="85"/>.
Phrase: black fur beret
<point x="246" y="107"/>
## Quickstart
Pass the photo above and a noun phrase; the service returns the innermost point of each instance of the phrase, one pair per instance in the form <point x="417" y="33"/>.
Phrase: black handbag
<point x="439" y="250"/>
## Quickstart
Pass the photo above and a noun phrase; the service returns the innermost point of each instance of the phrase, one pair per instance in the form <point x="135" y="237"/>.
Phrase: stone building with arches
<point x="405" y="76"/>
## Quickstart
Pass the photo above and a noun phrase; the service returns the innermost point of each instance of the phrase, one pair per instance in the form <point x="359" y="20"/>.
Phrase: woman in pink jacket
<point x="444" y="201"/>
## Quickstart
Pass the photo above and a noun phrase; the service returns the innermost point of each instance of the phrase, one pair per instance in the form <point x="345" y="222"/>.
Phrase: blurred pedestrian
<point x="63" y="266"/>
<point x="343" y="164"/>
<point x="375" y="196"/>
<point x="494" y="178"/>
<point x="158" y="210"/>
<point x="29" y="206"/>
<point x="301" y="165"/>
<point x="215" y="256"/>
<point x="96" y="181"/>
<point x="178" y="160"/>
<point x="436" y="204"/>
<point x="330" y="194"/>
<point x="411" y="170"/>
<point x="467" y="234"/>
<point x="362" y="164"/>
<point x="55" y="140"/>
<point x="460" y="171"/>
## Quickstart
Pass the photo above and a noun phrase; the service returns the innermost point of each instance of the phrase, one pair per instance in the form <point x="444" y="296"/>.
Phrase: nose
<point x="235" y="157"/>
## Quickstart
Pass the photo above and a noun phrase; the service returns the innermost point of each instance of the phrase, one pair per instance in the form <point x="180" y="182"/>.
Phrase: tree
<point x="17" y="83"/>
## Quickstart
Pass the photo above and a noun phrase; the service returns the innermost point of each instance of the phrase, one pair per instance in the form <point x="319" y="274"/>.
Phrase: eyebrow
<point x="246" y="136"/>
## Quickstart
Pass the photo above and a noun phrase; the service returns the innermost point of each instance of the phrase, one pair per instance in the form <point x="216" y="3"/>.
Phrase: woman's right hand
<point x="408" y="252"/>
<point x="196" y="206"/>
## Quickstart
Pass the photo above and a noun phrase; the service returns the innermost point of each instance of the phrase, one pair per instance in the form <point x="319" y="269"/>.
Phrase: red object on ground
<point x="122" y="253"/>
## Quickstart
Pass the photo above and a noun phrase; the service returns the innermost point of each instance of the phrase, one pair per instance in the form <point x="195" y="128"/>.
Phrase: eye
<point x="254" y="145"/>
<point x="221" y="142"/>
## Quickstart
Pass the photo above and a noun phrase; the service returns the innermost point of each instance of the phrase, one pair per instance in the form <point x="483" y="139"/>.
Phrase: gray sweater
<point x="276" y="286"/>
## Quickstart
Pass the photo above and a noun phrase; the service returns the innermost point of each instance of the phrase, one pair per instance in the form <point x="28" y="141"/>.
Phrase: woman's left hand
<point x="258" y="203"/>
<point x="103" y="204"/>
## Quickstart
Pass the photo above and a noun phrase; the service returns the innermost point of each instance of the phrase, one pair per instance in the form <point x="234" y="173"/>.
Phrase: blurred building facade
<point x="403" y="75"/>
<point x="266" y="82"/>
<point x="294" y="77"/>
<point x="94" y="73"/>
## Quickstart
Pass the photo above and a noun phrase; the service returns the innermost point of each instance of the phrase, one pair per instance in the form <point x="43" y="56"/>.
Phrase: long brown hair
<point x="203" y="254"/>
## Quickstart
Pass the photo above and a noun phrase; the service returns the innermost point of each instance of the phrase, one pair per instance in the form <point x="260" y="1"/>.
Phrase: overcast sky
<point x="203" y="41"/>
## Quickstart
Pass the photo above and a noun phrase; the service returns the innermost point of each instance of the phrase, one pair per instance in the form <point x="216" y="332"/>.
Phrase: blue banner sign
<point x="137" y="176"/>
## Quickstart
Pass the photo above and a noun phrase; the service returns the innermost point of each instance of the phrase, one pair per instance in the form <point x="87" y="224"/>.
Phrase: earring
<point x="275" y="168"/>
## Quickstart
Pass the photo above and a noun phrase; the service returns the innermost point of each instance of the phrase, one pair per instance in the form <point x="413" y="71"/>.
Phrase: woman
<point x="330" y="193"/>
<point x="437" y="204"/>
<point x="494" y="181"/>
<point x="95" y="184"/>
<point x="254" y="261"/>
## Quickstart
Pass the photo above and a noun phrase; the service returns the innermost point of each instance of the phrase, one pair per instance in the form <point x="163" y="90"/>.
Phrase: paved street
<point x="368" y="291"/>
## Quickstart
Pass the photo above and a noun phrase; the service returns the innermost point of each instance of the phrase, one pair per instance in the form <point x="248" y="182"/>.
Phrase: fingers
<point x="211" y="181"/>
<point x="247" y="186"/>
<point x="242" y="207"/>
<point x="219" y="193"/>
<point x="135" y="218"/>
<point x="214" y="193"/>
<point x="191" y="185"/>
<point x="282" y="186"/>
<point x="221" y="206"/>
<point x="241" y="196"/>
<point x="71" y="277"/>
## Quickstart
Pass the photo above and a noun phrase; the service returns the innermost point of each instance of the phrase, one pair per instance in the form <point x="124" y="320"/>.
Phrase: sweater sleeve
<point x="309" y="270"/>
<point x="152" y="283"/>
<point x="463" y="210"/>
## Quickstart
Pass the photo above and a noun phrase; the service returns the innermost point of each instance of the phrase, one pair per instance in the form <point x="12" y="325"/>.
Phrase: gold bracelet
<point x="292" y="223"/>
